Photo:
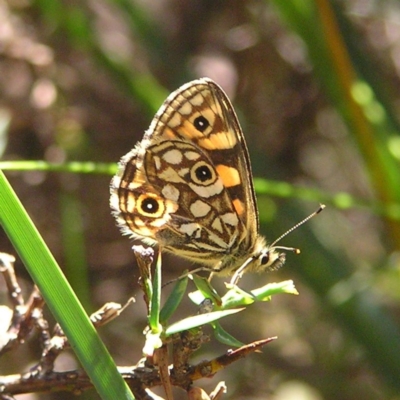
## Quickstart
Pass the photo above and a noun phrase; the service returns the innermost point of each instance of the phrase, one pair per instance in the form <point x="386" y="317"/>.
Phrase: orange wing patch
<point x="229" y="175"/>
<point x="239" y="207"/>
<point x="218" y="141"/>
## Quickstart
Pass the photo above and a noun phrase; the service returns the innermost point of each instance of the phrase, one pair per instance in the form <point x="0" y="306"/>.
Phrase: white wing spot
<point x="174" y="121"/>
<point x="230" y="219"/>
<point x="173" y="157"/>
<point x="199" y="209"/>
<point x="217" y="240"/>
<point x="197" y="100"/>
<point x="157" y="162"/>
<point x="191" y="229"/>
<point x="170" y="175"/>
<point x="191" y="155"/>
<point x="217" y="225"/>
<point x="208" y="191"/>
<point x="170" y="192"/>
<point x="186" y="109"/>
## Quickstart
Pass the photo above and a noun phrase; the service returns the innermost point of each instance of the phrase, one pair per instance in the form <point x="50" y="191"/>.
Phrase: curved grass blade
<point x="59" y="296"/>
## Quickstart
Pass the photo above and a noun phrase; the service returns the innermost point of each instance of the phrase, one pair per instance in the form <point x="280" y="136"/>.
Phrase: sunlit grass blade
<point x="341" y="200"/>
<point x="59" y="296"/>
<point x="80" y="167"/>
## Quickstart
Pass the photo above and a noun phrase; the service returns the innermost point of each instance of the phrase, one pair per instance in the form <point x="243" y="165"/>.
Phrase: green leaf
<point x="237" y="297"/>
<point x="199" y="320"/>
<point x="265" y="292"/>
<point x="204" y="286"/>
<point x="174" y="299"/>
<point x="154" y="317"/>
<point x="224" y="337"/>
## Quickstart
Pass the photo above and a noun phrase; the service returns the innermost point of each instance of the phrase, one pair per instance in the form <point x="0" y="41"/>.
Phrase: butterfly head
<point x="269" y="259"/>
<point x="264" y="257"/>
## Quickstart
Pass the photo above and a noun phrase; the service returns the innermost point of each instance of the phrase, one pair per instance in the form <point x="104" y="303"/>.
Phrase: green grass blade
<point x="154" y="318"/>
<point x="59" y="296"/>
<point x="341" y="200"/>
<point x="80" y="167"/>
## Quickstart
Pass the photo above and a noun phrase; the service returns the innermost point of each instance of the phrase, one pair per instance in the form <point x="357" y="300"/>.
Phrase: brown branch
<point x="138" y="378"/>
<point x="77" y="381"/>
<point x="184" y="345"/>
<point x="210" y="368"/>
<point x="161" y="360"/>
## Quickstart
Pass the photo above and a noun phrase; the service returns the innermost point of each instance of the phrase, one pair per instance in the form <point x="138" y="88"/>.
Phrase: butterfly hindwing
<point x="205" y="218"/>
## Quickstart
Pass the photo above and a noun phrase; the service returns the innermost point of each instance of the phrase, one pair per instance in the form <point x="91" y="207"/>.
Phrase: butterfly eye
<point x="201" y="123"/>
<point x="202" y="174"/>
<point x="264" y="259"/>
<point x="150" y="206"/>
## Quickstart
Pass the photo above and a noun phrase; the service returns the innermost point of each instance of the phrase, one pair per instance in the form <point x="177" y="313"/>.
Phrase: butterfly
<point x="187" y="186"/>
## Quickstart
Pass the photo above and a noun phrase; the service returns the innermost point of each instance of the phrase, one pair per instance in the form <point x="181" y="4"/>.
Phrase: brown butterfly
<point x="188" y="185"/>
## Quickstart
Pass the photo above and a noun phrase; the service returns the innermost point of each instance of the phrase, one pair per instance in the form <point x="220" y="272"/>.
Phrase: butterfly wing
<point x="188" y="184"/>
<point x="200" y="112"/>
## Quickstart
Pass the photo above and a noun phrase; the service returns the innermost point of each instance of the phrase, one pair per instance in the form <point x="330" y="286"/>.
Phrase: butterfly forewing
<point x="204" y="102"/>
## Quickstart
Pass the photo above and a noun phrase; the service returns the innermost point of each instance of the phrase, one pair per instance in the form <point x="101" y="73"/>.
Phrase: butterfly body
<point x="187" y="186"/>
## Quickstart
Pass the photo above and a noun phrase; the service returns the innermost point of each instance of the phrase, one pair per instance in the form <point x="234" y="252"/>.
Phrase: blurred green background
<point x="316" y="87"/>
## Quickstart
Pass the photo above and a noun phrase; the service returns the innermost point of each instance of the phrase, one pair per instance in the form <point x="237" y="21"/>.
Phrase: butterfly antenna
<point x="297" y="251"/>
